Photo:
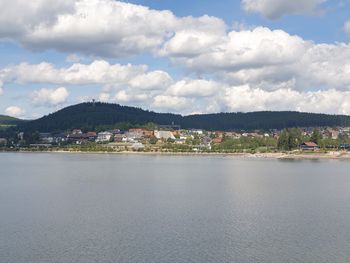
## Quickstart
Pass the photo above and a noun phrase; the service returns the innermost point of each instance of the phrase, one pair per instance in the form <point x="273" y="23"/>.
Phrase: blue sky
<point x="175" y="56"/>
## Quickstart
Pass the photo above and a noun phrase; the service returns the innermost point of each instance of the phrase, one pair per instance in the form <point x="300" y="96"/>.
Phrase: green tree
<point x="316" y="136"/>
<point x="294" y="138"/>
<point x="283" y="140"/>
<point x="289" y="139"/>
<point x="153" y="140"/>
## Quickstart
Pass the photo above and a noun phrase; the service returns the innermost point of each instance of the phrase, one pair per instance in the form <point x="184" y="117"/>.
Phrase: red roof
<point x="310" y="144"/>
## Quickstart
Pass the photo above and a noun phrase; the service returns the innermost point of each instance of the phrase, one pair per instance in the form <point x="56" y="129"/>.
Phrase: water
<point x="126" y="208"/>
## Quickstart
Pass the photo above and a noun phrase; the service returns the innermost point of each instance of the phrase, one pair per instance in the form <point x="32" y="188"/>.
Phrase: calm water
<point x="115" y="208"/>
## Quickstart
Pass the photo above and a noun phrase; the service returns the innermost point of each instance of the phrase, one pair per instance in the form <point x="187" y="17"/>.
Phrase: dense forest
<point x="93" y="115"/>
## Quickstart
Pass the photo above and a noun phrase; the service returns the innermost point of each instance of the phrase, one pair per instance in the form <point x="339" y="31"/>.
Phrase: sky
<point x="184" y="57"/>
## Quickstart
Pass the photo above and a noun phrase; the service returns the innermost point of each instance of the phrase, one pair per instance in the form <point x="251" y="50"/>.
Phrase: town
<point x="171" y="138"/>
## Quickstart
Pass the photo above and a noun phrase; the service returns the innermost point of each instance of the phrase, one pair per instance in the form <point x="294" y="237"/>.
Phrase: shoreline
<point x="277" y="155"/>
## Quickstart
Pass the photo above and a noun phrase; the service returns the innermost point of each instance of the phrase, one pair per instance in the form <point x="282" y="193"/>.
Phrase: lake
<point x="137" y="208"/>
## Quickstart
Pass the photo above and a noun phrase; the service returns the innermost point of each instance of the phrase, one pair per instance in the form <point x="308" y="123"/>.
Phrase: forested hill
<point x="7" y="120"/>
<point x="92" y="115"/>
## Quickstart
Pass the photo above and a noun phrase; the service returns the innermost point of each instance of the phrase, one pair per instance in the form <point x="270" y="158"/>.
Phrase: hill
<point x="7" y="121"/>
<point x="92" y="115"/>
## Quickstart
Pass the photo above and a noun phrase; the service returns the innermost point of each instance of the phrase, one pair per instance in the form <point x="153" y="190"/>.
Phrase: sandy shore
<point x="339" y="155"/>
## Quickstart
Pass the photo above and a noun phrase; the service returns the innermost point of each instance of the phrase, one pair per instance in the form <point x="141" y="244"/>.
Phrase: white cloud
<point x="1" y="90"/>
<point x="245" y="98"/>
<point x="124" y="96"/>
<point x="14" y="111"/>
<point x="171" y="103"/>
<point x="49" y="97"/>
<point x="274" y="9"/>
<point x="18" y="17"/>
<point x="99" y="71"/>
<point x="271" y="59"/>
<point x="347" y="27"/>
<point x="247" y="49"/>
<point x="114" y="76"/>
<point x="193" y="88"/>
<point x="73" y="58"/>
<point x="104" y="97"/>
<point x="151" y="80"/>
<point x="106" y="28"/>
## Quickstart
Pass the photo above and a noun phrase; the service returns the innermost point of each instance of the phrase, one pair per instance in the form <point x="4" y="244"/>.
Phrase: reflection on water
<point x="125" y="208"/>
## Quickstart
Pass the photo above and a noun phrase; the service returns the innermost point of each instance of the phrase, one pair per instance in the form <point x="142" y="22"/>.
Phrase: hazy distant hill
<point x="91" y="115"/>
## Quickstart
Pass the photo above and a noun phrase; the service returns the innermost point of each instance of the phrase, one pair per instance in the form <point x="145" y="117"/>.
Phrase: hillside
<point x="90" y="116"/>
<point x="7" y="120"/>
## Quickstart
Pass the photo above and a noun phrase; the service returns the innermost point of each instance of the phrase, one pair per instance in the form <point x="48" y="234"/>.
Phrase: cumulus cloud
<point x="97" y="72"/>
<point x="94" y="27"/>
<point x="246" y="98"/>
<point x="104" y="97"/>
<point x="273" y="9"/>
<point x="272" y="59"/>
<point x="171" y="103"/>
<point x="347" y="27"/>
<point x="246" y="49"/>
<point x="110" y="76"/>
<point x="124" y="96"/>
<point x="193" y="88"/>
<point x="73" y="58"/>
<point x="1" y="90"/>
<point x="151" y="80"/>
<point x="18" y="17"/>
<point x="49" y="97"/>
<point x="14" y="111"/>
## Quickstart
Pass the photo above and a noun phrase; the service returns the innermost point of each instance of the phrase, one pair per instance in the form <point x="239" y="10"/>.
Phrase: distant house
<point x="217" y="140"/>
<point x="199" y="132"/>
<point x="60" y="137"/>
<point x="164" y="135"/>
<point x="141" y="132"/>
<point x="232" y="135"/>
<point x="77" y="131"/>
<point x="119" y="137"/>
<point x="81" y="137"/>
<point x="104" y="136"/>
<point x="309" y="146"/>
<point x="3" y="141"/>
<point x="46" y="137"/>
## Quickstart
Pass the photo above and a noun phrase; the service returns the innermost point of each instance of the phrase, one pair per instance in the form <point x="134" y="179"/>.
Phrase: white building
<point x="104" y="136"/>
<point x="164" y="135"/>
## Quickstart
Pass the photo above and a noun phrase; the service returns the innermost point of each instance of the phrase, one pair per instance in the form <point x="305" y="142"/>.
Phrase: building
<point x="82" y="137"/>
<point x="119" y="138"/>
<point x="77" y="131"/>
<point x="217" y="140"/>
<point x="104" y="136"/>
<point x="142" y="132"/>
<point x="198" y="132"/>
<point x="309" y="146"/>
<point x="46" y="137"/>
<point x="164" y="135"/>
<point x="3" y="142"/>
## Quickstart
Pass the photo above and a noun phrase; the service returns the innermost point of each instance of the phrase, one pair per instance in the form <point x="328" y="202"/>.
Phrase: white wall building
<point x="104" y="136"/>
<point x="164" y="135"/>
